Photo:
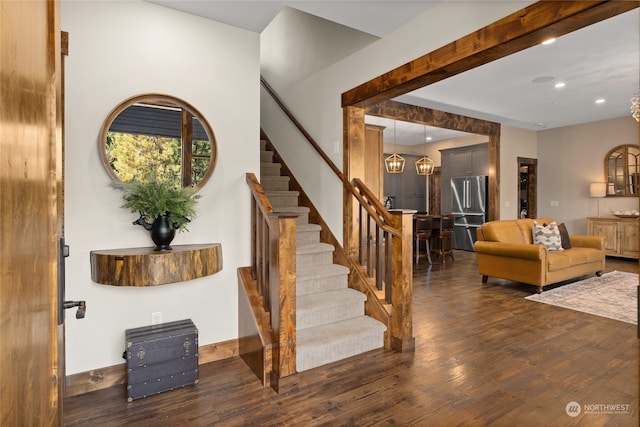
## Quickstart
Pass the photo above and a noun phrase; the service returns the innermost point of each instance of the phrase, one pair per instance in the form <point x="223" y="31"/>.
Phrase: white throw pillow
<point x="548" y="236"/>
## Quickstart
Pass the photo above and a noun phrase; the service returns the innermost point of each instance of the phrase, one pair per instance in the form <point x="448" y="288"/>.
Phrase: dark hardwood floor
<point x="484" y="356"/>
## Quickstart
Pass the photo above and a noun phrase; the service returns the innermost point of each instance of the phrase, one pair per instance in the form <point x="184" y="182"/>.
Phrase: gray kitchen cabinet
<point x="461" y="161"/>
<point x="466" y="161"/>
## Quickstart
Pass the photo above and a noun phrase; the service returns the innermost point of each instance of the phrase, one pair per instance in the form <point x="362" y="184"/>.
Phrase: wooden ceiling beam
<point x="518" y="31"/>
<point x="427" y="116"/>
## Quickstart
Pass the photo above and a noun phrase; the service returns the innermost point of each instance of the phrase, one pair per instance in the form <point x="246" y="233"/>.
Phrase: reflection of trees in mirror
<point x="129" y="154"/>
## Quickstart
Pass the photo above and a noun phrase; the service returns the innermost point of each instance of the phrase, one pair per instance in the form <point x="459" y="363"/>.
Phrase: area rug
<point x="613" y="295"/>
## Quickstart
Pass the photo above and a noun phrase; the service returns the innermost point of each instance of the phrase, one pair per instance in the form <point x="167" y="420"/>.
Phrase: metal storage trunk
<point x="161" y="357"/>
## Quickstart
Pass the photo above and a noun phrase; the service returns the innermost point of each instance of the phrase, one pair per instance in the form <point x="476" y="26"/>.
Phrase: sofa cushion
<point x="547" y="235"/>
<point x="564" y="236"/>
<point x="503" y="231"/>
<point x="560" y="260"/>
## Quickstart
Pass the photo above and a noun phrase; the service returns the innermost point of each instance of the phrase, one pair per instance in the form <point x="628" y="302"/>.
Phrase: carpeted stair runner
<point x="330" y="320"/>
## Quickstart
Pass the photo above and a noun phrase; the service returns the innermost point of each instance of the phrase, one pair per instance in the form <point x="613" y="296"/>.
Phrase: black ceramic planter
<point x="161" y="234"/>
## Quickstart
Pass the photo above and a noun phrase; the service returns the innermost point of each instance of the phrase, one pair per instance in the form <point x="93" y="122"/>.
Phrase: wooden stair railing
<point x="273" y="270"/>
<point x="393" y="257"/>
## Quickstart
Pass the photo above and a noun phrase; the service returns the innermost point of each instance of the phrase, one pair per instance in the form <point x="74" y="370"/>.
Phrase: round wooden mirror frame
<point x="160" y="100"/>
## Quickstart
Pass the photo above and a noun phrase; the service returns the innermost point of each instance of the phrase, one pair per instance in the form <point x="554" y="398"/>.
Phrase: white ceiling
<point x="599" y="61"/>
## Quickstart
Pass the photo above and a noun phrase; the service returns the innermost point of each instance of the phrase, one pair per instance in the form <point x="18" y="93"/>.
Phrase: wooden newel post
<point x="401" y="323"/>
<point x="282" y="268"/>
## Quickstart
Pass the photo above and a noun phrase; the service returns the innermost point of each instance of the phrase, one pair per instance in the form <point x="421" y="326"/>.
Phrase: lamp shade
<point x="598" y="189"/>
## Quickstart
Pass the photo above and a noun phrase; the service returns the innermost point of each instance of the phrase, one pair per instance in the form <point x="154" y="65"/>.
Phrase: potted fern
<point x="163" y="207"/>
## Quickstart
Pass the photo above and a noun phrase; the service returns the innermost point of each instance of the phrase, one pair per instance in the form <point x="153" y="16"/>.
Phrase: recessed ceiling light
<point x="429" y="138"/>
<point x="600" y="101"/>
<point x="559" y="85"/>
<point x="549" y="41"/>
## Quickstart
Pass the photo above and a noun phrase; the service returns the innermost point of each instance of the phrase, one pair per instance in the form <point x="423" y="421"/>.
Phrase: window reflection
<point x="160" y="135"/>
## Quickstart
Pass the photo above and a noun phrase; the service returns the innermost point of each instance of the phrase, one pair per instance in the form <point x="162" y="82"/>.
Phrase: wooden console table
<point x="620" y="235"/>
<point x="146" y="267"/>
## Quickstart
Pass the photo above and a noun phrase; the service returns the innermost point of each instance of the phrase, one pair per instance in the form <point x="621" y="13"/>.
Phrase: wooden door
<point x="609" y="230"/>
<point x="30" y="179"/>
<point x="629" y="238"/>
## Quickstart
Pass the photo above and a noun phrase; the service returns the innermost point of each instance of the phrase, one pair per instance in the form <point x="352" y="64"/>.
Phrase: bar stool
<point x="443" y="237"/>
<point x="422" y="232"/>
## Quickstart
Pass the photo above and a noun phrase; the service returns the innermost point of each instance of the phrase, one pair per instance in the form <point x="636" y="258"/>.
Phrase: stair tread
<point x="314" y="248"/>
<point x="282" y="193"/>
<point x="301" y="209"/>
<point x="275" y="178"/>
<point x="308" y="227"/>
<point x="322" y="300"/>
<point x="310" y="272"/>
<point x="343" y="330"/>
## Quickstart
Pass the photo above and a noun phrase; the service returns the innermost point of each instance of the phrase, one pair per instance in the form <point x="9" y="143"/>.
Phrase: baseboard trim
<point x="98" y="379"/>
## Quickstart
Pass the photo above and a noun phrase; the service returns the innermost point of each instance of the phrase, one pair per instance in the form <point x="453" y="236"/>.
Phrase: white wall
<point x="572" y="157"/>
<point x="317" y="43"/>
<point x="316" y="100"/>
<point x="514" y="143"/>
<point x="118" y="49"/>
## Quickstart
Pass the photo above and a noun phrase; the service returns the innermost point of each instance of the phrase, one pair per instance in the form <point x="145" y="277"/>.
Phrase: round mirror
<point x="158" y="137"/>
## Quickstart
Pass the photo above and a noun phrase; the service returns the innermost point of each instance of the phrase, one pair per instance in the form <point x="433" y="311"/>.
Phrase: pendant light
<point x="394" y="163"/>
<point x="635" y="106"/>
<point x="425" y="165"/>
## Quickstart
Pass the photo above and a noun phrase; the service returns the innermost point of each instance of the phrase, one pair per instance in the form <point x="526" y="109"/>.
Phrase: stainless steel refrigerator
<point x="469" y="202"/>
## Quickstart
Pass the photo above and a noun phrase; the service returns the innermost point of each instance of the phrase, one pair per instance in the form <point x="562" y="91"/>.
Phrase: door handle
<point x="63" y="252"/>
<point x="82" y="307"/>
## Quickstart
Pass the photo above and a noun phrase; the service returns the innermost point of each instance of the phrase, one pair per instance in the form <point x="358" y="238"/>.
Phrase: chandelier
<point x="425" y="165"/>
<point x="394" y="163"/>
<point x="635" y="106"/>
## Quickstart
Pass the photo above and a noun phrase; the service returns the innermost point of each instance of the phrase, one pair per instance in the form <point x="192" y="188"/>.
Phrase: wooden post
<point x="353" y="166"/>
<point x="401" y="323"/>
<point x="283" y="300"/>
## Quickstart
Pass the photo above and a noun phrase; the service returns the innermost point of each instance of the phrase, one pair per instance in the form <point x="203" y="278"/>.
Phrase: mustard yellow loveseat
<point x="505" y="250"/>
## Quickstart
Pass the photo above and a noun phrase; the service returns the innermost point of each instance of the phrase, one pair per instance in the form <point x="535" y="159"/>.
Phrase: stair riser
<point x="270" y="169"/>
<point x="280" y="185"/>
<point x="318" y="258"/>
<point x="307" y="237"/>
<point x="336" y="313"/>
<point x="311" y="357"/>
<point x="323" y="284"/>
<point x="283" y="201"/>
<point x="266" y="156"/>
<point x="303" y="218"/>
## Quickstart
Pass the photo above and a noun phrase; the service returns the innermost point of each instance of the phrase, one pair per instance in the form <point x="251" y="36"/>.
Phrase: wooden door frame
<point x="511" y="34"/>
